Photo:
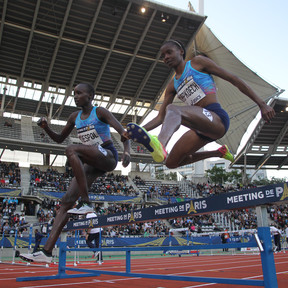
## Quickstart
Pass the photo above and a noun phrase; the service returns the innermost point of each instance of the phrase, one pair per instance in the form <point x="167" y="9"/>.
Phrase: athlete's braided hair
<point x="178" y="44"/>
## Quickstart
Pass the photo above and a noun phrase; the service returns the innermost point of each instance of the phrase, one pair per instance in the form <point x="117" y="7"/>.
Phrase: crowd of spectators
<point x="9" y="174"/>
<point x="138" y="180"/>
<point x="163" y="190"/>
<point x="243" y="219"/>
<point x="47" y="211"/>
<point x="206" y="189"/>
<point x="9" y="219"/>
<point x="194" y="223"/>
<point x="50" y="178"/>
<point x="158" y="190"/>
<point x="201" y="190"/>
<point x="111" y="184"/>
<point x="279" y="214"/>
<point x="240" y="219"/>
<point x="146" y="229"/>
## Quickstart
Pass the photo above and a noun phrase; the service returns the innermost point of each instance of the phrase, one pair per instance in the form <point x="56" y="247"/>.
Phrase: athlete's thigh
<point x="96" y="157"/>
<point x="188" y="144"/>
<point x="202" y="120"/>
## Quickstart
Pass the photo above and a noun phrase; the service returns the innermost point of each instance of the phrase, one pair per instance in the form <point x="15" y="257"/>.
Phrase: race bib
<point x="190" y="92"/>
<point x="89" y="136"/>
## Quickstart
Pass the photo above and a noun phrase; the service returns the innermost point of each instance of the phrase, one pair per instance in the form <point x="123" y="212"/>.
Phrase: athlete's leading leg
<point x="67" y="202"/>
<point x="209" y="124"/>
<point x="62" y="217"/>
<point x="96" y="157"/>
<point x="97" y="161"/>
<point x="185" y="150"/>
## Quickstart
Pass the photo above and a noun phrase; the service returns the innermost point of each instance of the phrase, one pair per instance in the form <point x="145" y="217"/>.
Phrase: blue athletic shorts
<point x="216" y="108"/>
<point x="111" y="147"/>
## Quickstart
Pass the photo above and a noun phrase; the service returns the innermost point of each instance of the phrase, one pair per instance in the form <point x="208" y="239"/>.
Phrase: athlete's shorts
<point x="217" y="109"/>
<point x="111" y="147"/>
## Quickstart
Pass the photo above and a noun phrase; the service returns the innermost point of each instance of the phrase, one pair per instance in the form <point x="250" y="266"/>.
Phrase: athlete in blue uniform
<point x="202" y="114"/>
<point x="89" y="161"/>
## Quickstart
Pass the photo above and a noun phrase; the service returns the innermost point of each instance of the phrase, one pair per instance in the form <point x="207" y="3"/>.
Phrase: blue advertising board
<point x="276" y="193"/>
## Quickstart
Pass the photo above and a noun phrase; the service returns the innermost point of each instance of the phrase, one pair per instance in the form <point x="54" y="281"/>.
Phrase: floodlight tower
<point x="201" y="7"/>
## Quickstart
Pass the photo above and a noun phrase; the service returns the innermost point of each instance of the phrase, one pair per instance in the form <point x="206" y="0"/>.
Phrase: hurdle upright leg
<point x="128" y="261"/>
<point x="62" y="255"/>
<point x="267" y="256"/>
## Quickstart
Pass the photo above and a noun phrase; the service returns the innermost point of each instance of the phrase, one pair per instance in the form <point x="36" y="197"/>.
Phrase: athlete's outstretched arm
<point x="211" y="67"/>
<point x="59" y="138"/>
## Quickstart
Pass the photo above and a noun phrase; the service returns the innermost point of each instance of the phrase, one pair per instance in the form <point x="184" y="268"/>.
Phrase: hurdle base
<point x="58" y="276"/>
<point x="93" y="273"/>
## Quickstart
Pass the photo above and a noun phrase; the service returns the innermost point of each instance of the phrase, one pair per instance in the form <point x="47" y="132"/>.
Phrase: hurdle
<point x="256" y="197"/>
<point x="8" y="255"/>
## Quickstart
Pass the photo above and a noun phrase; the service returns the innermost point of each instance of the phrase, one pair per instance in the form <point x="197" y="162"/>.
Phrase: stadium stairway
<point x="25" y="180"/>
<point x="26" y="129"/>
<point x="31" y="219"/>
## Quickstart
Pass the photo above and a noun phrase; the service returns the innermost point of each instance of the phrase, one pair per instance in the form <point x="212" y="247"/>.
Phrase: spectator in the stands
<point x="25" y="233"/>
<point x="31" y="208"/>
<point x="6" y="229"/>
<point x="225" y="237"/>
<point x="38" y="238"/>
<point x="276" y="233"/>
<point x="8" y="124"/>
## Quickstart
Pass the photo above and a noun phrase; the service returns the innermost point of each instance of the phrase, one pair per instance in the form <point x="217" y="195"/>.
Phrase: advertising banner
<point x="270" y="194"/>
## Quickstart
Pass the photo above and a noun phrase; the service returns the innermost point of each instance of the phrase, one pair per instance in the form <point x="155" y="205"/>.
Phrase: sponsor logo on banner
<point x="131" y="219"/>
<point x="245" y="197"/>
<point x="90" y="223"/>
<point x="196" y="206"/>
<point x="285" y="192"/>
<point x="191" y="208"/>
<point x="133" y="216"/>
<point x="97" y="197"/>
<point x="166" y="210"/>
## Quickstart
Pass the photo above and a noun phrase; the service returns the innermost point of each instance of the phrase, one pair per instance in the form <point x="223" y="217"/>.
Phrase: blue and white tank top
<point x="193" y="85"/>
<point x="92" y="131"/>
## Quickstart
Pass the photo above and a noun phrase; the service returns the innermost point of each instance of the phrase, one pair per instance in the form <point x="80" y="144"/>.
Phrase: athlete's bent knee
<point x="171" y="164"/>
<point x="70" y="150"/>
<point x="172" y="108"/>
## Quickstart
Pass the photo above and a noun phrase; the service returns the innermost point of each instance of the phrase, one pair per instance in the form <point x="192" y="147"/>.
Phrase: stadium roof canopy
<point x="267" y="146"/>
<point x="47" y="47"/>
<point x="240" y="108"/>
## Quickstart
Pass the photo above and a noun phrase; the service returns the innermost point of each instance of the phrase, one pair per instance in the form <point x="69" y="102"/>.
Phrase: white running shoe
<point x="82" y="209"/>
<point x="36" y="257"/>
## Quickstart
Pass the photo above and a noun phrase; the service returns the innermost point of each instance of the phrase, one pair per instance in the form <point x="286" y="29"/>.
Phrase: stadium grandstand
<point x="114" y="46"/>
